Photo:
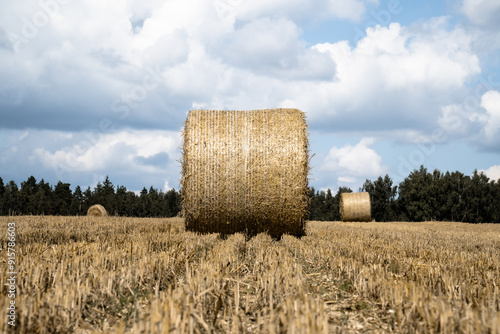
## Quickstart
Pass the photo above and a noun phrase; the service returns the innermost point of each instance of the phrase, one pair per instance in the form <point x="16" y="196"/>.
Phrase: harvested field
<point x="129" y="275"/>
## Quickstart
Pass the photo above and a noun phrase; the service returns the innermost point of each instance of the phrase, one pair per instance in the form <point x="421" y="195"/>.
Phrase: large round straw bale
<point x="245" y="171"/>
<point x="97" y="210"/>
<point x="355" y="207"/>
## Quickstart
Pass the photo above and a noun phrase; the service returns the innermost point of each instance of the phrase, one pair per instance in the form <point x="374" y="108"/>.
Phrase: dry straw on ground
<point x="97" y="210"/>
<point x="245" y="171"/>
<point x="355" y="207"/>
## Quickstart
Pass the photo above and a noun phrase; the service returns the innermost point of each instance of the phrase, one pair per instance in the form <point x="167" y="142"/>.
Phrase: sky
<point x="90" y="89"/>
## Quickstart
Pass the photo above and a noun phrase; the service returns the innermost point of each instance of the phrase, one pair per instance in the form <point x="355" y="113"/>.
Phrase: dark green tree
<point x="131" y="204"/>
<point x="77" y="202"/>
<point x="63" y="197"/>
<point x="172" y="203"/>
<point x="331" y="208"/>
<point x="88" y="200"/>
<point x="144" y="204"/>
<point x="11" y="199"/>
<point x="480" y="199"/>
<point x="44" y="199"/>
<point x="320" y="205"/>
<point x="496" y="202"/>
<point x="382" y="198"/>
<point x="156" y="208"/>
<point x="449" y="192"/>
<point x="2" y="192"/>
<point x="120" y="201"/>
<point x="108" y="196"/>
<point x="26" y="196"/>
<point x="414" y="194"/>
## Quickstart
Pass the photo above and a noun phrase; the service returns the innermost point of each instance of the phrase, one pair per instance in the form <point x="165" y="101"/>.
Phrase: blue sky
<point x="89" y="89"/>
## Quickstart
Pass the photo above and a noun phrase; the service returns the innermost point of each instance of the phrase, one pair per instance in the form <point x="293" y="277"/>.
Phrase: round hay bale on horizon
<point x="355" y="207"/>
<point x="245" y="171"/>
<point x="97" y="210"/>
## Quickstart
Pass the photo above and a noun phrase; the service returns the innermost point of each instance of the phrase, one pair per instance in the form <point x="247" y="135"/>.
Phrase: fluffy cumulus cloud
<point x="98" y="152"/>
<point x="137" y="155"/>
<point x="478" y="115"/>
<point x="491" y="103"/>
<point x="394" y="77"/>
<point x="273" y="48"/>
<point x="482" y="12"/>
<point x="493" y="172"/>
<point x="132" y="69"/>
<point x="157" y="60"/>
<point x="350" y="162"/>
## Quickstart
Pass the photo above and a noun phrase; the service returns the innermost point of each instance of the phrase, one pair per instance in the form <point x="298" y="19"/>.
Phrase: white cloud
<point x="347" y="179"/>
<point x="482" y="12"/>
<point x="454" y="119"/>
<point x="272" y="47"/>
<point x="394" y="77"/>
<point x="134" y="149"/>
<point x="351" y="161"/>
<point x="398" y="81"/>
<point x="312" y="10"/>
<point x="491" y="103"/>
<point x="493" y="173"/>
<point x="166" y="187"/>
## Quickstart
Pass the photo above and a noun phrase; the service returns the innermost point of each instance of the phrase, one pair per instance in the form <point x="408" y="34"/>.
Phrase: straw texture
<point x="355" y="207"/>
<point x="245" y="171"/>
<point x="97" y="210"/>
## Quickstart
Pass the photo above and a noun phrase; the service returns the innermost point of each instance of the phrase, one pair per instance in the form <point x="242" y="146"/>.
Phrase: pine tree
<point x="330" y="207"/>
<point x="77" y="202"/>
<point x="172" y="202"/>
<point x="44" y="199"/>
<point x="480" y="199"/>
<point x="11" y="199"/>
<point x="382" y="198"/>
<point x="88" y="200"/>
<point x="26" y="194"/>
<point x="120" y="201"/>
<point x="143" y="207"/>
<point x="63" y="198"/>
<point x="414" y="196"/>
<point x="108" y="196"/>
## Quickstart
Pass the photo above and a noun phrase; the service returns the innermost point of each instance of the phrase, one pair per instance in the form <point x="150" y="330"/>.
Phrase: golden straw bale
<point x="355" y="207"/>
<point x="97" y="210"/>
<point x="245" y="171"/>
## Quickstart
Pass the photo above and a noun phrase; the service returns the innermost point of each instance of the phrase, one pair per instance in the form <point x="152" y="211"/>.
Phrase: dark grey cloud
<point x="160" y="159"/>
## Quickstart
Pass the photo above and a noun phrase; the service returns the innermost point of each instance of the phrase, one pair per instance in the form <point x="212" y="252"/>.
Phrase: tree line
<point x="40" y="198"/>
<point x="421" y="196"/>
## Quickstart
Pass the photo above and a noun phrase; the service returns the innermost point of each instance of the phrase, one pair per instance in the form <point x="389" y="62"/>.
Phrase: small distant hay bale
<point x="97" y="210"/>
<point x="245" y="171"/>
<point x="355" y="207"/>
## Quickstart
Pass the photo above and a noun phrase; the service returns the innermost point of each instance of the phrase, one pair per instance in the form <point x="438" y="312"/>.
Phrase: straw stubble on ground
<point x="115" y="275"/>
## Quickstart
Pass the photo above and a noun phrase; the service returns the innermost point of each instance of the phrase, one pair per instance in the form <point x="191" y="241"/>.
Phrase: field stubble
<point x="114" y="275"/>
